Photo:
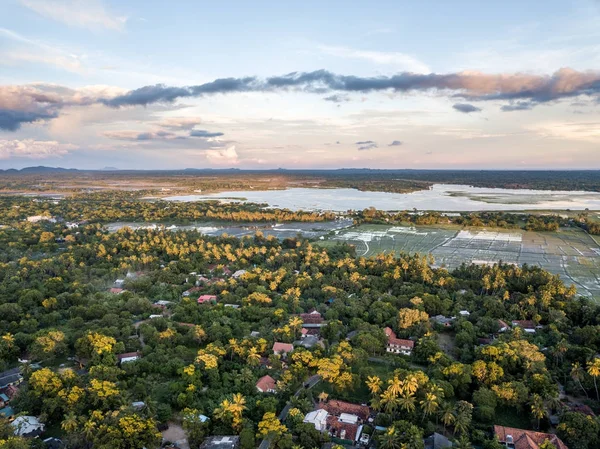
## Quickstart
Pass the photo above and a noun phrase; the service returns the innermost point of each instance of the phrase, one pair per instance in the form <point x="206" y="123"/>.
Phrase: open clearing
<point x="570" y="253"/>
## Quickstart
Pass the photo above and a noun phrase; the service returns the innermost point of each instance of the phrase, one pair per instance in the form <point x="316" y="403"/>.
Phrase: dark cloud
<point x="366" y="145"/>
<point x="395" y="143"/>
<point x="11" y="120"/>
<point x="518" y="106"/>
<point x="145" y="136"/>
<point x="472" y="86"/>
<point x="466" y="108"/>
<point x="337" y="98"/>
<point x="204" y="134"/>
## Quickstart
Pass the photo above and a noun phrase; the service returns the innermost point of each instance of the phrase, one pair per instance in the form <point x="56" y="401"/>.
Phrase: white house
<point x="317" y="418"/>
<point x="27" y="426"/>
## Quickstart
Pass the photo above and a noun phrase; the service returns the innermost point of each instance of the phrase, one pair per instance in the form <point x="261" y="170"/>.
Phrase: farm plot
<point x="570" y="253"/>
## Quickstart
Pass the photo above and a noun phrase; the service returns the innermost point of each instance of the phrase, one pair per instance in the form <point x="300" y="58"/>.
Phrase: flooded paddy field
<point x="570" y="253"/>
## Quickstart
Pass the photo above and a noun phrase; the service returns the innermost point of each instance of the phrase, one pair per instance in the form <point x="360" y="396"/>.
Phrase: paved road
<point x="311" y="382"/>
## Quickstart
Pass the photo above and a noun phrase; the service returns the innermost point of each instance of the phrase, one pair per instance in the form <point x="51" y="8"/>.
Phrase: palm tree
<point x="253" y="357"/>
<point x="396" y="386"/>
<point x="223" y="411"/>
<point x="390" y="439"/>
<point x="389" y="401"/>
<point x="463" y="443"/>
<point x="411" y="384"/>
<point x="593" y="369"/>
<point x="430" y="404"/>
<point x="577" y="375"/>
<point x="407" y="402"/>
<point x="537" y="408"/>
<point x="447" y="415"/>
<point x="70" y="423"/>
<point x="462" y="422"/>
<point x="374" y="384"/>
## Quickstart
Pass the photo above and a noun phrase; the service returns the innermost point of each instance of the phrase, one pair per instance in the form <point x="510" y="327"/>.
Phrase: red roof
<point x="206" y="298"/>
<point x="527" y="439"/>
<point x="336" y="427"/>
<point x="192" y="290"/>
<point x="266" y="383"/>
<point x="11" y="391"/>
<point x="525" y="324"/>
<point x="311" y="318"/>
<point x="127" y="355"/>
<point x="392" y="340"/>
<point x="283" y="347"/>
<point x="335" y="407"/>
<point x="116" y="290"/>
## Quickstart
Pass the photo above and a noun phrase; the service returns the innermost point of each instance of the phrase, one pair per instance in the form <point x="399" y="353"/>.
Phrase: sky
<point x="273" y="84"/>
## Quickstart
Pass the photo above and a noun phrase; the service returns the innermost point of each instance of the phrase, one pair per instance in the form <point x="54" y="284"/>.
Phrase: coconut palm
<point x="463" y="443"/>
<point x="593" y="369"/>
<point x="411" y="384"/>
<point x="389" y="401"/>
<point x="390" y="439"/>
<point x="253" y="358"/>
<point x="430" y="404"/>
<point x="70" y="423"/>
<point x="396" y="386"/>
<point x="577" y="375"/>
<point x="374" y="383"/>
<point x="447" y="415"/>
<point x="407" y="402"/>
<point x="538" y="410"/>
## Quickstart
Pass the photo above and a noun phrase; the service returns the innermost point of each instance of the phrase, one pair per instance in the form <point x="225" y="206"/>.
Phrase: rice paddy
<point x="570" y="253"/>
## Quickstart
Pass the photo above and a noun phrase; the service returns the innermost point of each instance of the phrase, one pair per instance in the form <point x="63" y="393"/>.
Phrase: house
<point x="238" y="274"/>
<point x="266" y="384"/>
<point x="10" y="377"/>
<point x="312" y="317"/>
<point x="3" y="399"/>
<point x="437" y="441"/>
<point x="38" y="218"/>
<point x="116" y="291"/>
<point x="397" y="345"/>
<point x="255" y="334"/>
<point x="442" y="320"/>
<point x="282" y="348"/>
<point x="204" y="299"/>
<point x="525" y="439"/>
<point x="138" y="405"/>
<point x="11" y="391"/>
<point x="53" y="443"/>
<point x="527" y="325"/>
<point x="503" y="326"/>
<point x="307" y="341"/>
<point x="189" y="292"/>
<point x="128" y="357"/>
<point x="27" y="426"/>
<point x="317" y="418"/>
<point x="464" y="313"/>
<point x="162" y="304"/>
<point x="7" y="412"/>
<point x="337" y="408"/>
<point x="221" y="442"/>
<point x="119" y="283"/>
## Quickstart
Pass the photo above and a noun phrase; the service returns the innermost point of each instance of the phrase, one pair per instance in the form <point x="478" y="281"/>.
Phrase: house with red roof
<point x="527" y="325"/>
<point x="525" y="439"/>
<point x="128" y="357"/>
<point x="282" y="348"/>
<point x="398" y="345"/>
<point x="191" y="291"/>
<point x="203" y="299"/>
<point x="266" y="384"/>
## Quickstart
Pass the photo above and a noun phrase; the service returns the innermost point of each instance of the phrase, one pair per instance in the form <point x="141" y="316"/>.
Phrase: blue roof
<point x="7" y="411"/>
<point x="4" y="397"/>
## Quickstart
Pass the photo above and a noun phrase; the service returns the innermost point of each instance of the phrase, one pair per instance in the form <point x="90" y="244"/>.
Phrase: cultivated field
<point x="571" y="253"/>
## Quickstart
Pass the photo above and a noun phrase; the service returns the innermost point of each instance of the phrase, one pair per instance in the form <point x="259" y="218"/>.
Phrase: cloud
<point x="33" y="149"/>
<point x="11" y="120"/>
<point x="466" y="108"/>
<point x="518" y="106"/>
<point x="337" y="98"/>
<point x="205" y="134"/>
<point x="179" y="122"/>
<point x="140" y="136"/>
<point x="78" y="13"/>
<point x="366" y="145"/>
<point x="395" y="143"/>
<point x="223" y="156"/>
<point x="474" y="86"/>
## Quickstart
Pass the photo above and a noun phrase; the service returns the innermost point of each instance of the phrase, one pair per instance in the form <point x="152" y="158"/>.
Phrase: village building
<point x="204" y="299"/>
<point x="503" y="326"/>
<point x="317" y="418"/>
<point x="128" y="357"/>
<point x="282" y="348"/>
<point x="238" y="274"/>
<point x="442" y="320"/>
<point x="190" y="291"/>
<point x="266" y="384"/>
<point x="527" y="325"/>
<point x="27" y="426"/>
<point x="525" y="439"/>
<point x="397" y="345"/>
<point x="221" y="442"/>
<point x="10" y="377"/>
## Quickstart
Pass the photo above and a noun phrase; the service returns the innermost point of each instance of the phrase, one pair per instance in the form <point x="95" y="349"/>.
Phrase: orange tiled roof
<point x="336" y="408"/>
<point x="527" y="439"/>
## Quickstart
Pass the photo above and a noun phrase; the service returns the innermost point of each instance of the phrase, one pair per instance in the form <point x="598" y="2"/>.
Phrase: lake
<point x="440" y="197"/>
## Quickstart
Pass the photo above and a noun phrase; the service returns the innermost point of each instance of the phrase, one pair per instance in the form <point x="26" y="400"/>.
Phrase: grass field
<point x="570" y="252"/>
